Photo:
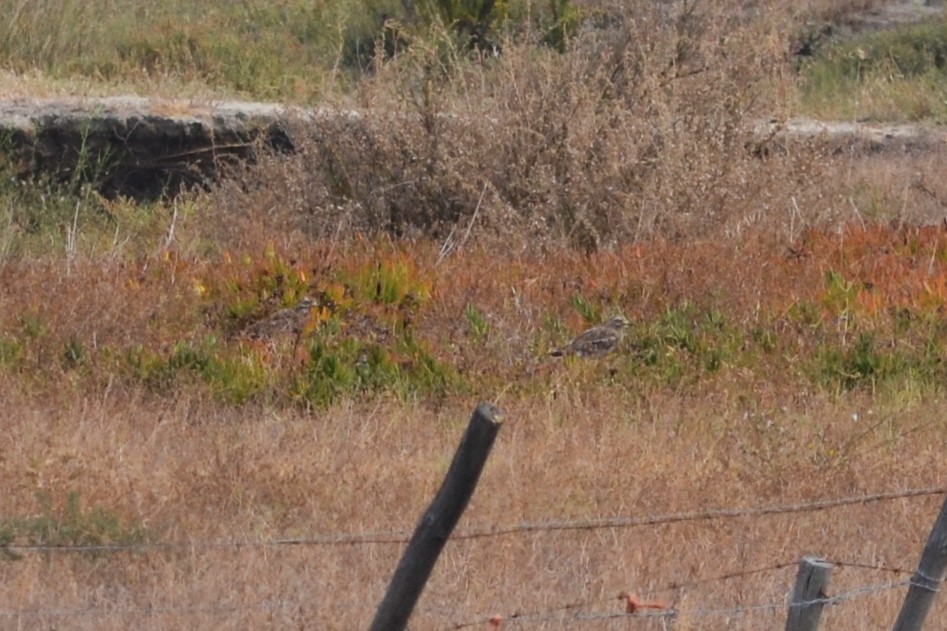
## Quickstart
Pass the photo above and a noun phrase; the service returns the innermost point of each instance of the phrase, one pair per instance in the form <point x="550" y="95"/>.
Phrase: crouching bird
<point x="597" y="341"/>
<point x="285" y="322"/>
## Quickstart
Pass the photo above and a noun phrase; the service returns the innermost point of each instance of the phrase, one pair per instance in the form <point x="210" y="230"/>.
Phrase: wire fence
<point x="576" y="612"/>
<point x="584" y="611"/>
<point x="400" y="537"/>
<point x="115" y="612"/>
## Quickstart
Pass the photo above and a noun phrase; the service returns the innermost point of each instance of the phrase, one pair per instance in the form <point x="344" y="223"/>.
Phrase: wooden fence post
<point x="805" y="605"/>
<point x="927" y="579"/>
<point x="438" y="521"/>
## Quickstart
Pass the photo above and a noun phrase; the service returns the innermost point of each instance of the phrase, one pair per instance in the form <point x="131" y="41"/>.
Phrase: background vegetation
<point x="517" y="172"/>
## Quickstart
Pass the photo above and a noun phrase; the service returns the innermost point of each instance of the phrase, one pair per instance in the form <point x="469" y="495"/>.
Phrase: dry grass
<point x="193" y="472"/>
<point x="579" y="443"/>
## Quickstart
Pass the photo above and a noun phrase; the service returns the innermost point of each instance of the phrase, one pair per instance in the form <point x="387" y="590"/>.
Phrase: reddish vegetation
<point x="871" y="275"/>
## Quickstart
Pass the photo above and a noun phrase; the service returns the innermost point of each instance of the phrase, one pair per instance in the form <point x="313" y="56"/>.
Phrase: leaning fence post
<point x="438" y="521"/>
<point x="927" y="579"/>
<point x="808" y="597"/>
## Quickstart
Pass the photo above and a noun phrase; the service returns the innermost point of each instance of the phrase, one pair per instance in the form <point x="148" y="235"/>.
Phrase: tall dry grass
<point x="196" y="474"/>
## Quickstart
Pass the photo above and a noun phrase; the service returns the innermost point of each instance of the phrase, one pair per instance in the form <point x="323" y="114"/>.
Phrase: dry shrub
<point x="640" y="128"/>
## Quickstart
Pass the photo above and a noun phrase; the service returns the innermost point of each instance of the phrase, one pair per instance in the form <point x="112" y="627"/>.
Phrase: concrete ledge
<point x="143" y="148"/>
<point x="858" y="137"/>
<point x="136" y="146"/>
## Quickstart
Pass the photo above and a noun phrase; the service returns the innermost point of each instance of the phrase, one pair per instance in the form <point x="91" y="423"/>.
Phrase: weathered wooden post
<point x="927" y="579"/>
<point x="438" y="521"/>
<point x="808" y="597"/>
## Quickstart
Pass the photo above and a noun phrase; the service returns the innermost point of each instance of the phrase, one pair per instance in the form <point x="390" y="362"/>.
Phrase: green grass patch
<point x="63" y="211"/>
<point x="69" y="524"/>
<point x="589" y="311"/>
<point x="476" y="323"/>
<point x="290" y="50"/>
<point x="232" y="375"/>
<point x="902" y="356"/>
<point x="893" y="75"/>
<point x="268" y="50"/>
<point x="347" y="367"/>
<point x="685" y="343"/>
<point x="11" y="352"/>
<point x="390" y="281"/>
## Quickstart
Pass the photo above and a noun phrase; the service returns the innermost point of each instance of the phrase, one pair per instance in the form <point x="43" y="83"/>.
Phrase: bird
<point x="289" y="321"/>
<point x="597" y="341"/>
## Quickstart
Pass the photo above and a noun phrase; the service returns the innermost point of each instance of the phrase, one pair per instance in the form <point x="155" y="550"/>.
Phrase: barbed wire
<point x="535" y="617"/>
<point x="561" y="613"/>
<point x="574" y="611"/>
<point x="923" y="581"/>
<point x="704" y="515"/>
<point x="401" y="537"/>
<point x="576" y="605"/>
<point x="728" y="576"/>
<point x="214" y="608"/>
<point x="550" y="614"/>
<point x="869" y="566"/>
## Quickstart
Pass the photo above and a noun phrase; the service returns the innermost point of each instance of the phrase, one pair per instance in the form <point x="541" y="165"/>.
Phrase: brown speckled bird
<point x="597" y="341"/>
<point x="285" y="322"/>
